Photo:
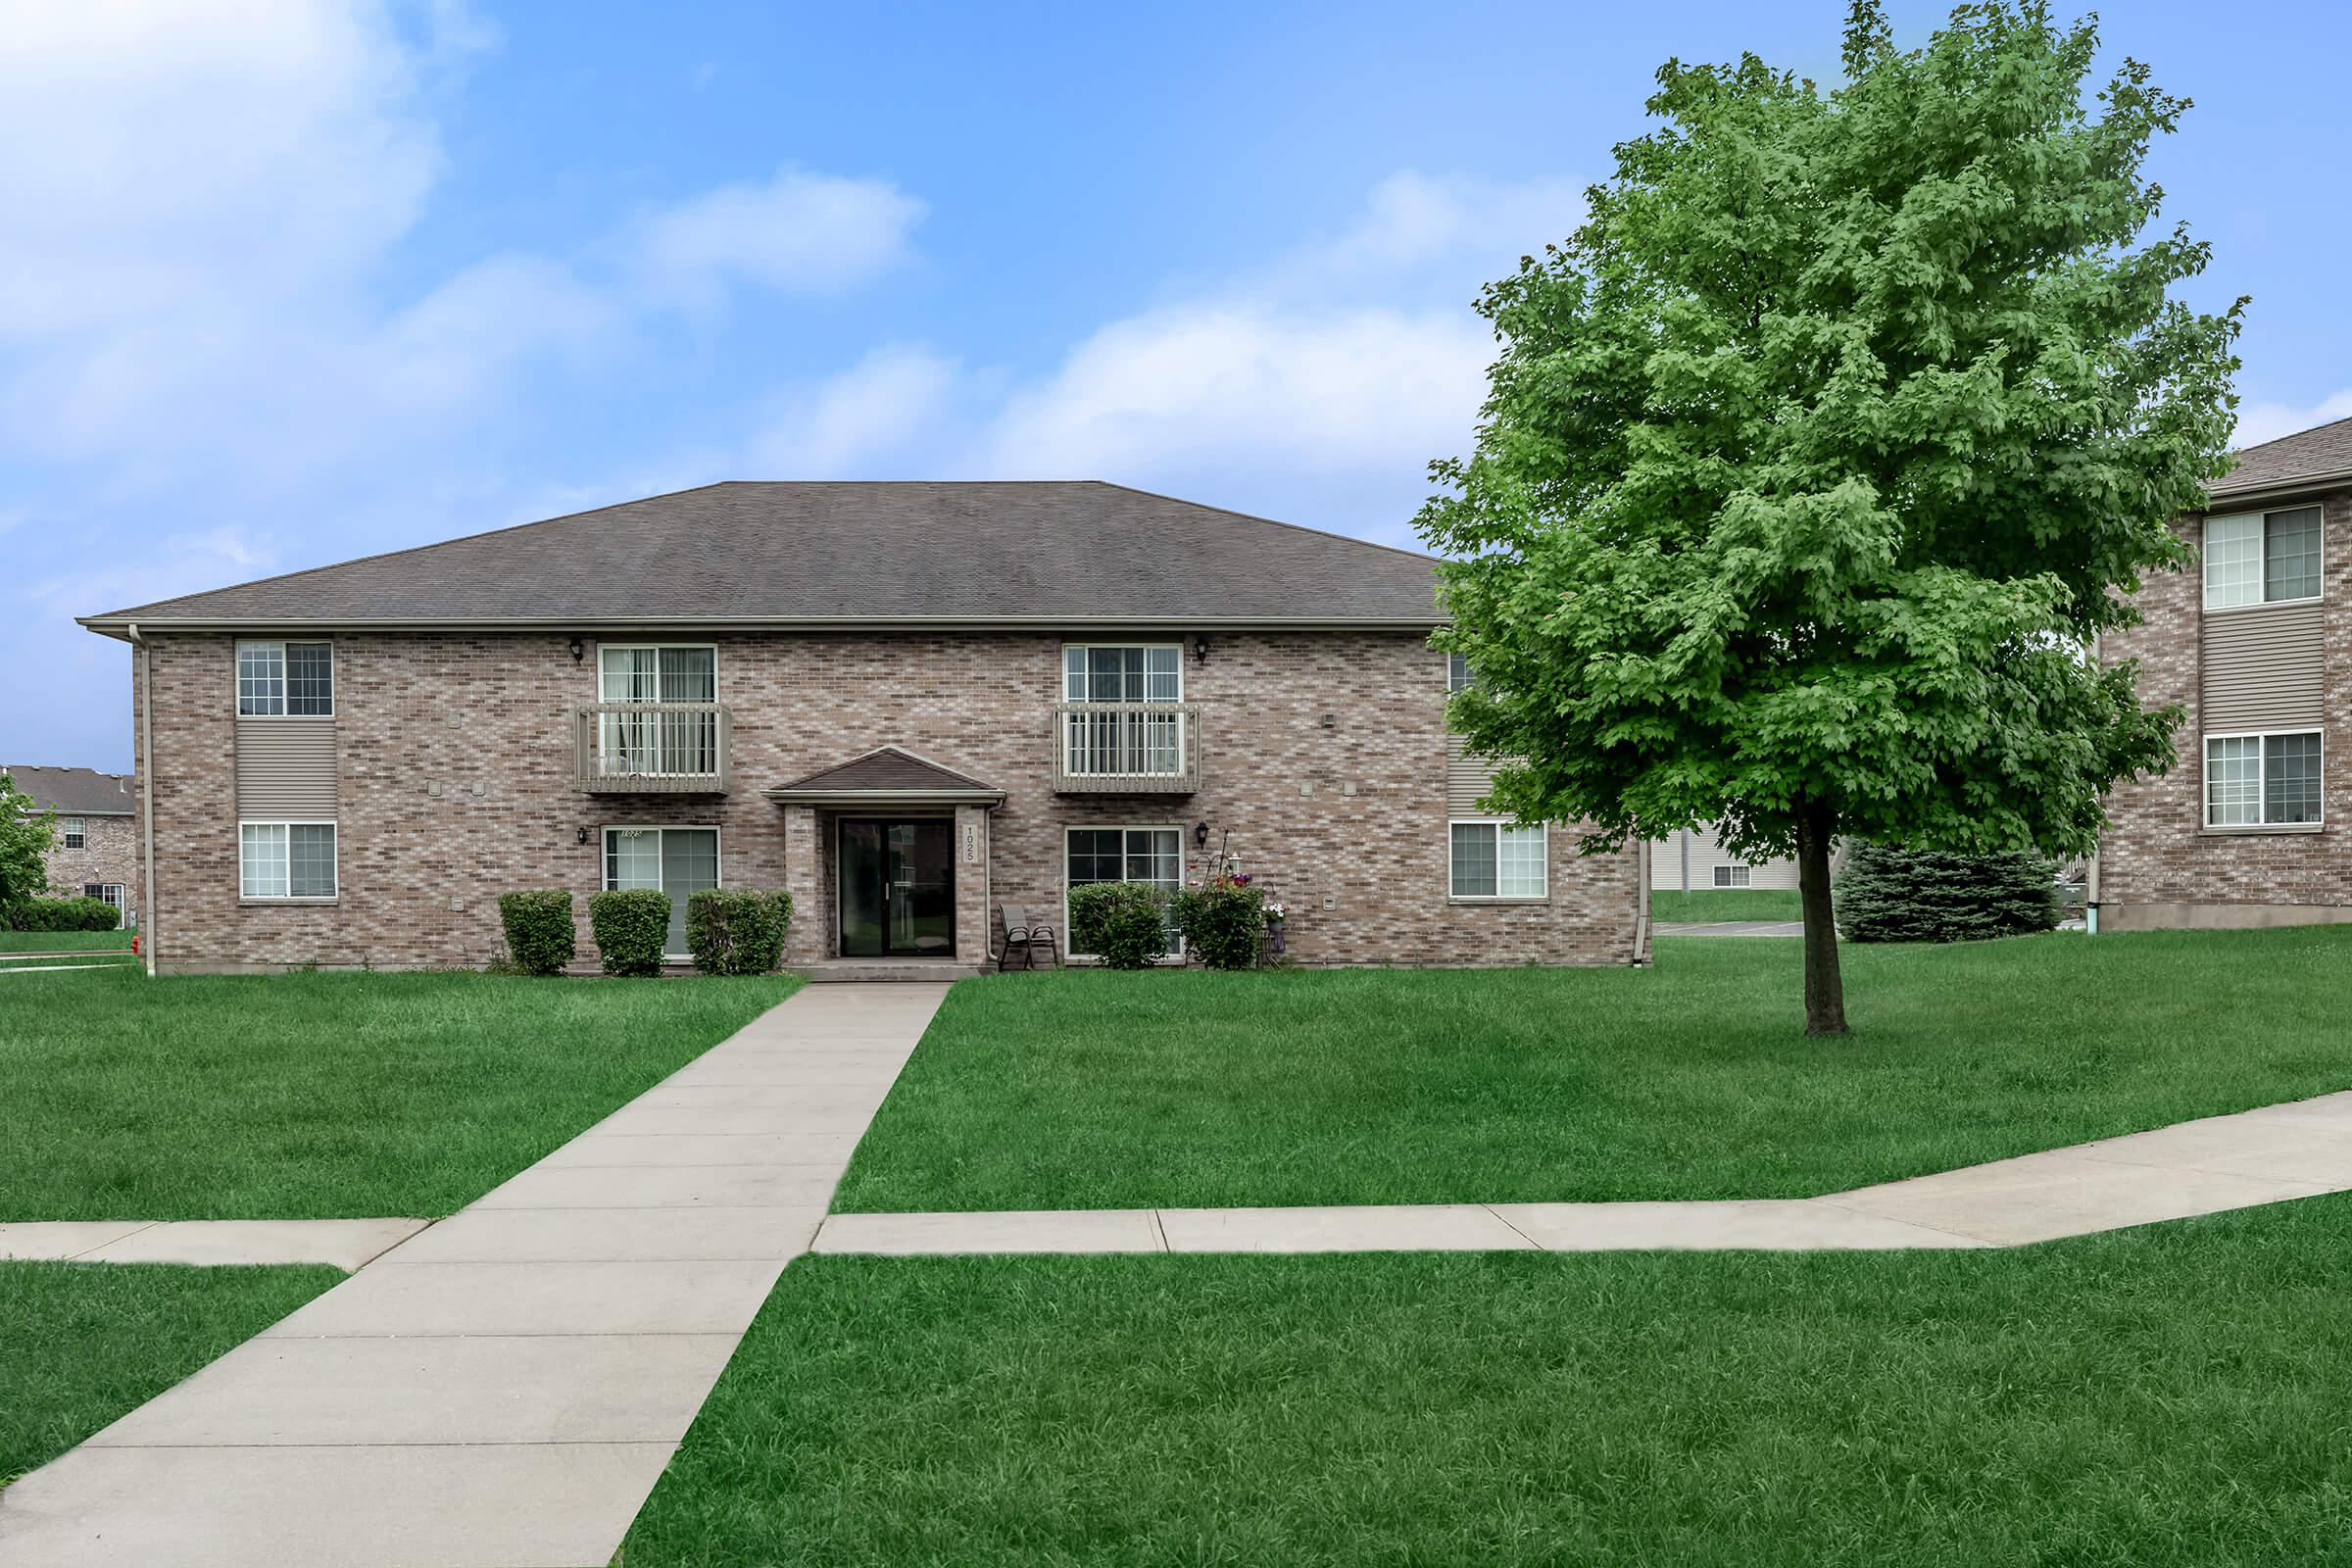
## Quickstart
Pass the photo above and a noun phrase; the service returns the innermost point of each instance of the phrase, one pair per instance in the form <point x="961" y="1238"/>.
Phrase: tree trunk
<point x="1824" y="989"/>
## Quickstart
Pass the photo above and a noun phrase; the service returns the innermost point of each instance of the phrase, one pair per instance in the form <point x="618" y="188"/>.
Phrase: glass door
<point x="897" y="889"/>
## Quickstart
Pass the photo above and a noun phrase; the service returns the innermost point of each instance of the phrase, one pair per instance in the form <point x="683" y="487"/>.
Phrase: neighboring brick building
<point x="2255" y="644"/>
<point x="907" y="704"/>
<point x="95" y="852"/>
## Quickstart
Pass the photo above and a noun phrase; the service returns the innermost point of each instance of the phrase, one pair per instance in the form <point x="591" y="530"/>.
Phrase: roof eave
<point x="2279" y="489"/>
<point x="786" y="795"/>
<point x="117" y="624"/>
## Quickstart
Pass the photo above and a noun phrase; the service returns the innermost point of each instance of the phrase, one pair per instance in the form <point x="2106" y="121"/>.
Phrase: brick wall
<point x="2158" y="866"/>
<point x="437" y="819"/>
<point x="109" y="853"/>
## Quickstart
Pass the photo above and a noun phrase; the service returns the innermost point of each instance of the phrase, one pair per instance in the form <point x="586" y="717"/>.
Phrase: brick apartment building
<point x="2255" y="643"/>
<point x="95" y="852"/>
<point x="910" y="705"/>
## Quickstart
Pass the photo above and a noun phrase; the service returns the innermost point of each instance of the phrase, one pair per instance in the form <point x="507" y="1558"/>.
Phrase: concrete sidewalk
<point x="2299" y="1150"/>
<point x="503" y="1389"/>
<point x="347" y="1244"/>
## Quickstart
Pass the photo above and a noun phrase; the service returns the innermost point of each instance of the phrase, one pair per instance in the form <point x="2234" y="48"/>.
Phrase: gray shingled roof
<point x="982" y="550"/>
<point x="76" y="791"/>
<point x="887" y="768"/>
<point x="2314" y="454"/>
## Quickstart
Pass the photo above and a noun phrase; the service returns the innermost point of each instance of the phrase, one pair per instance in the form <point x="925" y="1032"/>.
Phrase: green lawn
<point x="14" y="942"/>
<point x="2175" y="1396"/>
<point x="321" y="1096"/>
<point x="1726" y="903"/>
<point x="81" y="1343"/>
<point x="1094" y="1090"/>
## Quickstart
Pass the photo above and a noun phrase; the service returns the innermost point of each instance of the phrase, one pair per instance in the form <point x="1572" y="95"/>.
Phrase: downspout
<point x="1642" y="908"/>
<point x="147" y="920"/>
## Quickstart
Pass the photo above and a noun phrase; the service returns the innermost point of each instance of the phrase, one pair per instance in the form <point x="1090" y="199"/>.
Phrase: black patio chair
<point x="1028" y="936"/>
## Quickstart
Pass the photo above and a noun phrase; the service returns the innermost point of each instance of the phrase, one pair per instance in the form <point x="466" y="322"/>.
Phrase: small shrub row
<point x="64" y="914"/>
<point x="737" y="930"/>
<point x="1125" y="924"/>
<point x="728" y="931"/>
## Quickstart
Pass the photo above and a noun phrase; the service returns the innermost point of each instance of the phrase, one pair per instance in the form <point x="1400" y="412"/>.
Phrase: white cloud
<point x="890" y="405"/>
<point x="801" y="233"/>
<point x="2257" y="423"/>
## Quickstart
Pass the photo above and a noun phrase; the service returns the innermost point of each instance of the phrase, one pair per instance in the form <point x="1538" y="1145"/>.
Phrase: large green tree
<point x="1817" y="458"/>
<point x="26" y="830"/>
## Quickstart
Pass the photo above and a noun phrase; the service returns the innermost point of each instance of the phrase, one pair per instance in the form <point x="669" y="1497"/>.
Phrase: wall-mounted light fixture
<point x="583" y="838"/>
<point x="579" y="649"/>
<point x="1200" y="834"/>
<point x="1200" y="648"/>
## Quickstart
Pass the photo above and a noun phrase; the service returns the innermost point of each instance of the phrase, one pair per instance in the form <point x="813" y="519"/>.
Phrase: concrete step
<point x="915" y="972"/>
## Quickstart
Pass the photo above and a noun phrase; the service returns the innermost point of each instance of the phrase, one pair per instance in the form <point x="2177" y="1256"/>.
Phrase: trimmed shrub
<point x="1893" y="894"/>
<point x="1224" y="921"/>
<point x="540" y="939"/>
<point x="737" y="930"/>
<point x="64" y="914"/>
<point x="632" y="924"/>
<point x="1125" y="924"/>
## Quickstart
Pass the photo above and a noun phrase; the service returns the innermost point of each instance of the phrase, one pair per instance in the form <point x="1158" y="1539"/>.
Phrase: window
<point x="1154" y="854"/>
<point x="286" y="859"/>
<point x="1498" y="860"/>
<point x="107" y="892"/>
<point x="2262" y="780"/>
<point x="658" y="743"/>
<point x="677" y="861"/>
<point x="72" y="833"/>
<point x="1100" y="672"/>
<point x="2262" y="558"/>
<point x="275" y="681"/>
<point x="1457" y="673"/>
<point x="1733" y="876"/>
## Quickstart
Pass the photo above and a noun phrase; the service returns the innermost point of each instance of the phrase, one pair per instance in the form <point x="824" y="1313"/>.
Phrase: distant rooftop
<point x="76" y="791"/>
<point x="1045" y="551"/>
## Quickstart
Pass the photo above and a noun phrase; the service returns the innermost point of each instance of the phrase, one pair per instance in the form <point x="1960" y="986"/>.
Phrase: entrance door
<point x="897" y="889"/>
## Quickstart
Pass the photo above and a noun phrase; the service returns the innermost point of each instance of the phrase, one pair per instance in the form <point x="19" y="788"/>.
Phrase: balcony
<point x="651" y="748"/>
<point x="1126" y="748"/>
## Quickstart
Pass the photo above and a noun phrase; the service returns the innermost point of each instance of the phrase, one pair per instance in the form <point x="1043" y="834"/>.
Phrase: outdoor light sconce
<point x="583" y="838"/>
<point x="1200" y="835"/>
<point x="579" y="649"/>
<point x="1200" y="648"/>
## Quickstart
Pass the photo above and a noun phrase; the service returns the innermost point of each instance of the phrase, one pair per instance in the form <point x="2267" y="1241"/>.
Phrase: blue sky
<point x="284" y="283"/>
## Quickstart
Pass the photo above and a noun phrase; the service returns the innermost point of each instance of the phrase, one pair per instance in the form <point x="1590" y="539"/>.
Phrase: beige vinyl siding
<point x="1468" y="779"/>
<point x="1666" y="863"/>
<point x="2261" y="668"/>
<point x="287" y="769"/>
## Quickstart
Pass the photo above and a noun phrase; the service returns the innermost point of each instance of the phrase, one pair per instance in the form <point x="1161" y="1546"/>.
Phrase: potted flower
<point x="1276" y="914"/>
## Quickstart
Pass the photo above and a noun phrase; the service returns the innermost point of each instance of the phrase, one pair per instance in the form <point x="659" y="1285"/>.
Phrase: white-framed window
<point x="679" y="742"/>
<point x="1733" y="876"/>
<point x="1122" y="672"/>
<point x="1497" y="860"/>
<point x="72" y="833"/>
<point x="2265" y="780"/>
<point x="2263" y="558"/>
<point x="105" y="892"/>
<point x="280" y="680"/>
<point x="286" y="859"/>
<point x="1457" y="673"/>
<point x="1152" y="855"/>
<point x="680" y="861"/>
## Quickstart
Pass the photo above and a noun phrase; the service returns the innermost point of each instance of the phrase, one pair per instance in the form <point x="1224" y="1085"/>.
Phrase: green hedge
<point x="540" y="938"/>
<point x="737" y="931"/>
<point x="631" y="926"/>
<point x="1891" y="893"/>
<point x="1125" y="924"/>
<point x="1224" y="921"/>
<point x="64" y="914"/>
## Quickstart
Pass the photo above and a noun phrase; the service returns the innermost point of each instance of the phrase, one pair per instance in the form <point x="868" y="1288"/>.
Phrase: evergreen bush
<point x="540" y="939"/>
<point x="1125" y="924"/>
<point x="1224" y="921"/>
<point x="737" y="930"/>
<point x="1888" y="893"/>
<point x="631" y="926"/>
<point x="64" y="914"/>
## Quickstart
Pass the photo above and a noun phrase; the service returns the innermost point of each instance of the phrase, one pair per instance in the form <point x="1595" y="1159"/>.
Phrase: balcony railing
<point x="1126" y="748"/>
<point x="651" y="748"/>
